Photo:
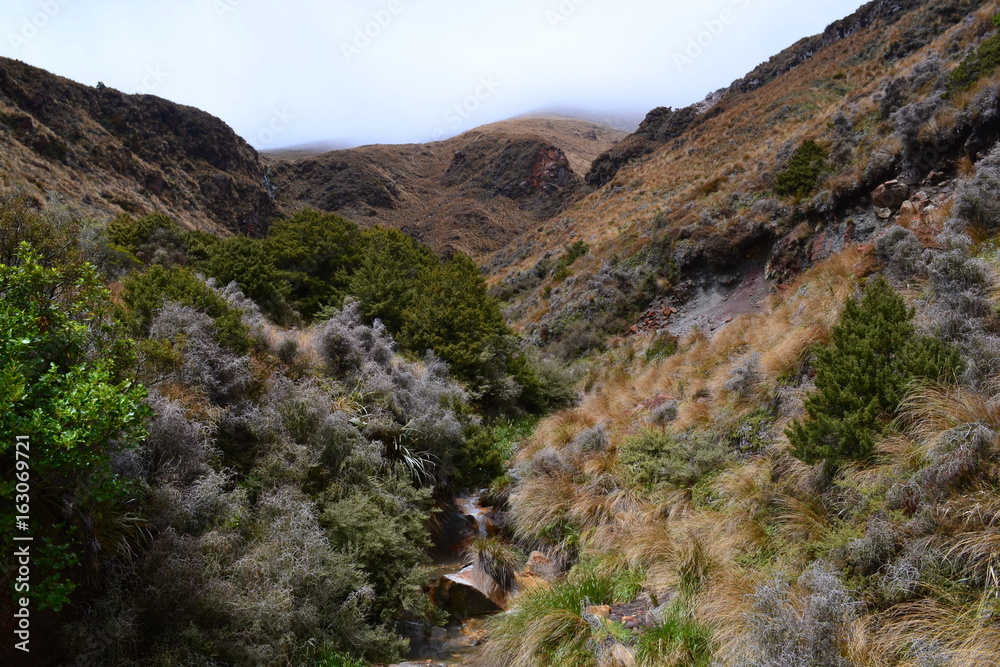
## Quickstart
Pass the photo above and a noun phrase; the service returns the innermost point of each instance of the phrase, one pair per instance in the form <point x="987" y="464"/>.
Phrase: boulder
<point x="469" y="593"/>
<point x="541" y="566"/>
<point x="890" y="195"/>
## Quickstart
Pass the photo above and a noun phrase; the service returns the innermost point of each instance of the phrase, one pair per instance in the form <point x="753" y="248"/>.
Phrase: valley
<point x="721" y="390"/>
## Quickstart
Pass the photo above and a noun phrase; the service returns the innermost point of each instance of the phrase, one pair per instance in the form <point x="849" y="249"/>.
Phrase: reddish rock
<point x="890" y="195"/>
<point x="541" y="566"/>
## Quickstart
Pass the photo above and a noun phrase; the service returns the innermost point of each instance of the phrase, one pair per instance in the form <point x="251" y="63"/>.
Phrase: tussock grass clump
<point x="677" y="640"/>
<point x="497" y="558"/>
<point x="547" y="627"/>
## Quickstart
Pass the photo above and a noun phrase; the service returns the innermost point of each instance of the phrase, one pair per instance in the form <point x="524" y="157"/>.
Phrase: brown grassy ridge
<point x="409" y="186"/>
<point x="708" y="186"/>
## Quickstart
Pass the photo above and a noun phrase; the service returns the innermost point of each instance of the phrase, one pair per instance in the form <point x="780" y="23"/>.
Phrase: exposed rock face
<point x="660" y="126"/>
<point x="541" y="566"/>
<point x="528" y="170"/>
<point x="106" y="153"/>
<point x="469" y="593"/>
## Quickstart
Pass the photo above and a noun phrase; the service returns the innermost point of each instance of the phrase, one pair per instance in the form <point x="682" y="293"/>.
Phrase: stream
<point x="456" y="586"/>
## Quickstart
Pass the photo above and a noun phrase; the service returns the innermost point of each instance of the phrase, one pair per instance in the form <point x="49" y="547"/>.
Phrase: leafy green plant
<point x="64" y="390"/>
<point x="678" y="640"/>
<point x="978" y="64"/>
<point x="863" y="374"/>
<point x="800" y="175"/>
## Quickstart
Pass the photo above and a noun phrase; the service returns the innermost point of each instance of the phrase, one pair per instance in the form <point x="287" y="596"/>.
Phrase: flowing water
<point x="456" y="645"/>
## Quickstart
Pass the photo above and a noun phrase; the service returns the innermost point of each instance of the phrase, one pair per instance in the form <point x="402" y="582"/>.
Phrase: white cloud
<point x="408" y="62"/>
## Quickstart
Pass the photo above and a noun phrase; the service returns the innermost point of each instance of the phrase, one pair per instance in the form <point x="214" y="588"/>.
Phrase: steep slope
<point x="472" y="193"/>
<point x="694" y="205"/>
<point x="106" y="153"/>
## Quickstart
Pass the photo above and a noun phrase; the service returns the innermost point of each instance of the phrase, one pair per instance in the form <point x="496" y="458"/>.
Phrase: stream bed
<point x="459" y="643"/>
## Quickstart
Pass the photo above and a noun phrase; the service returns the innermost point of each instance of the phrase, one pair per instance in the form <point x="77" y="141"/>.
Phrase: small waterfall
<point x="471" y="507"/>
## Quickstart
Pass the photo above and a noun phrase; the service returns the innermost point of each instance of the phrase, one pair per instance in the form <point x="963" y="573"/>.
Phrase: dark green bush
<point x="976" y="65"/>
<point x="390" y="273"/>
<point x="245" y="261"/>
<point x="315" y="253"/>
<point x="863" y="374"/>
<point x="801" y="174"/>
<point x="146" y="292"/>
<point x="152" y="239"/>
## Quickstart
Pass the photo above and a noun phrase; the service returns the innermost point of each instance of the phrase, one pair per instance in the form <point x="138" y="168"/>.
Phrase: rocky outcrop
<point x="528" y="170"/>
<point x="107" y="152"/>
<point x="660" y="126"/>
<point x="890" y="195"/>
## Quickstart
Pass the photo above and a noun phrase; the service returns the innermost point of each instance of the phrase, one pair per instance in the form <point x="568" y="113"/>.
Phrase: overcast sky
<point x="287" y="72"/>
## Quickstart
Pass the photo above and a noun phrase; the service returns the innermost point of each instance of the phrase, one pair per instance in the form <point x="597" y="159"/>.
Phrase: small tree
<point x="800" y="176"/>
<point x="863" y="374"/>
<point x="66" y="397"/>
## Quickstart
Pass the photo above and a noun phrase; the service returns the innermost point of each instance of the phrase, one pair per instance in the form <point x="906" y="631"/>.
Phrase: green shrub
<point x="573" y="253"/>
<point x="391" y="270"/>
<point x="152" y="239"/>
<point x="976" y="65"/>
<point x="54" y="240"/>
<point x="64" y="388"/>
<point x="800" y="175"/>
<point x="863" y="374"/>
<point x="655" y="456"/>
<point x="316" y="254"/>
<point x="453" y="315"/>
<point x="146" y="292"/>
<point x="245" y="261"/>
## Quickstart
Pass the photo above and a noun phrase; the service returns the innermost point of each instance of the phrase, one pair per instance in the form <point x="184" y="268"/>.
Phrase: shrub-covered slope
<point x="814" y="484"/>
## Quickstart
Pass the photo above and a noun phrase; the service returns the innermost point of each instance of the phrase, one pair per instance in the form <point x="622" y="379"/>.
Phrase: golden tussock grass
<point x="723" y="605"/>
<point x="933" y="410"/>
<point x="961" y="634"/>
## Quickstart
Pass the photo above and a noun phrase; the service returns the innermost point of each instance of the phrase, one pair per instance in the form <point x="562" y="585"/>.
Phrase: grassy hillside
<point x="727" y="195"/>
<point x="472" y="193"/>
<point x="676" y="470"/>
